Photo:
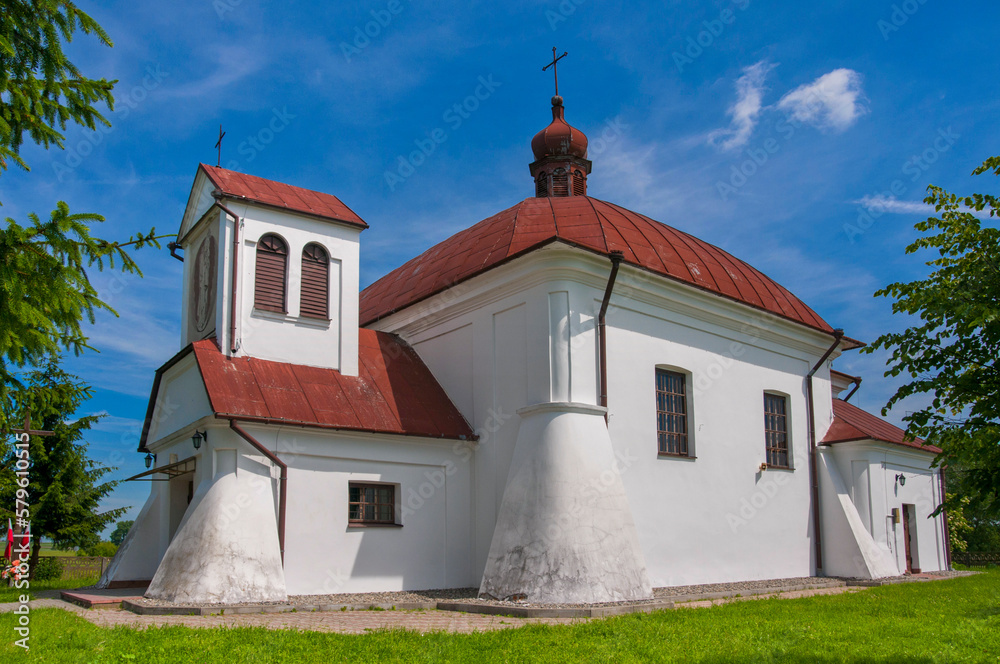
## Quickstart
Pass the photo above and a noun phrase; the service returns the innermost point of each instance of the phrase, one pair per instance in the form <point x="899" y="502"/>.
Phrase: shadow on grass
<point x="819" y="659"/>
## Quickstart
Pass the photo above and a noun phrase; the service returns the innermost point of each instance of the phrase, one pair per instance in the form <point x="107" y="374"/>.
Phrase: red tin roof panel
<point x="592" y="224"/>
<point x="394" y="392"/>
<point x="279" y="194"/>
<point x="850" y="423"/>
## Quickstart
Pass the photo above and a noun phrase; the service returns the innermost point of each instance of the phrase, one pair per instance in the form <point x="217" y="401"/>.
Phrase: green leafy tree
<point x="959" y="527"/>
<point x="65" y="487"/>
<point x="45" y="289"/>
<point x="101" y="549"/>
<point x="972" y="522"/>
<point x="952" y="353"/>
<point x="40" y="88"/>
<point x="120" y="531"/>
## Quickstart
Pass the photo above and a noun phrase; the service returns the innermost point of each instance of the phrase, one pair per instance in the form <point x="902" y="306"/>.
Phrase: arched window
<point x="315" y="282"/>
<point x="542" y="185"/>
<point x="560" y="182"/>
<point x="579" y="184"/>
<point x="270" y="274"/>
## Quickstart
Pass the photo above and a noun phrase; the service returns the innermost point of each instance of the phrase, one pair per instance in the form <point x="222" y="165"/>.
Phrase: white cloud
<point x="881" y="203"/>
<point x="833" y="101"/>
<point x="232" y="64"/>
<point x="744" y="113"/>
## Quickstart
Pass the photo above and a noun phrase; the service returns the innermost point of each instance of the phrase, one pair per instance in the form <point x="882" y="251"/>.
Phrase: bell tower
<point x="270" y="270"/>
<point x="561" y="166"/>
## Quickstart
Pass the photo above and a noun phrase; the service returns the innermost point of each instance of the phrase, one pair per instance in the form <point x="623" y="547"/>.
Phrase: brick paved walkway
<point x="358" y="622"/>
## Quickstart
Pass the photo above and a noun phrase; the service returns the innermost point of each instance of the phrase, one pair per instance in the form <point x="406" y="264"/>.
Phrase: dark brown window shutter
<point x="315" y="282"/>
<point x="579" y="184"/>
<point x="542" y="185"/>
<point x="560" y="183"/>
<point x="269" y="280"/>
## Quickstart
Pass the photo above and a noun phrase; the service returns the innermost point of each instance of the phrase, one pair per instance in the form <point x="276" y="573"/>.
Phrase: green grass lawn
<point x="944" y="621"/>
<point x="8" y="594"/>
<point x="47" y="550"/>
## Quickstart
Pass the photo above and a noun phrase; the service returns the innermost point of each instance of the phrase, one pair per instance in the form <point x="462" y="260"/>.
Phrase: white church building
<point x="566" y="402"/>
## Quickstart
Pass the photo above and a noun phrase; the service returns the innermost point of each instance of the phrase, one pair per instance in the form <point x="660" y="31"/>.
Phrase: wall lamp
<point x="901" y="479"/>
<point x="150" y="460"/>
<point x="198" y="437"/>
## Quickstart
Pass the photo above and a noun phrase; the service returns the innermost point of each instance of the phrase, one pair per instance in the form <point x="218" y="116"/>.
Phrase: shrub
<point x="103" y="549"/>
<point x="48" y="569"/>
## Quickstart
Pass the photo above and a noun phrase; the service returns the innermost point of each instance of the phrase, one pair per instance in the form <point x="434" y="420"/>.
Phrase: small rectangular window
<point x="776" y="430"/>
<point x="671" y="412"/>
<point x="371" y="503"/>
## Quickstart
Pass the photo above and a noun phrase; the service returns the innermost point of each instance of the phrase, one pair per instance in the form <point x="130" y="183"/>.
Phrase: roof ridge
<point x="651" y="245"/>
<point x="604" y="234"/>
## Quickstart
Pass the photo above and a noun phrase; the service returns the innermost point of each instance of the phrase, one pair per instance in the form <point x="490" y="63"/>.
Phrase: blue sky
<point x="764" y="127"/>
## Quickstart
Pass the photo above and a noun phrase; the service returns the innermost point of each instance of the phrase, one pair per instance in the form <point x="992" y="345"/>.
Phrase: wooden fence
<point x="81" y="567"/>
<point x="981" y="560"/>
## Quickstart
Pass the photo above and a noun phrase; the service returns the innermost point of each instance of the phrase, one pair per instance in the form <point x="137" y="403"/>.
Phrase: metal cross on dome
<point x="555" y="69"/>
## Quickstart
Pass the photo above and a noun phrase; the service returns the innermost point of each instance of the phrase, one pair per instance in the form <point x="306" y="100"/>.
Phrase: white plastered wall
<point x="290" y="337"/>
<point x="324" y="554"/>
<point x="710" y="519"/>
<point x="869" y="469"/>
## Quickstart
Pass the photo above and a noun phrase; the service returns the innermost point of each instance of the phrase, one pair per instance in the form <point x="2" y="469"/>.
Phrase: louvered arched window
<point x="270" y="275"/>
<point x="560" y="182"/>
<point x="579" y="184"/>
<point x="315" y="282"/>
<point x="542" y="185"/>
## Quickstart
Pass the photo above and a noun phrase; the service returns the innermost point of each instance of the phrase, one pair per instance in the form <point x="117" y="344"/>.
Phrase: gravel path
<point x="471" y="595"/>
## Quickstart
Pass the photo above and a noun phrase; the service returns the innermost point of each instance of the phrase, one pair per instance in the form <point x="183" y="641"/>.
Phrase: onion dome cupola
<point x="561" y="166"/>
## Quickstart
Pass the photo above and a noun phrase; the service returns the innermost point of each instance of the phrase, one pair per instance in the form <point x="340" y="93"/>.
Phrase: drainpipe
<point x="944" y="516"/>
<point x="281" y="482"/>
<point x="173" y="247"/>
<point x="838" y="334"/>
<point x="857" y="386"/>
<point x="236" y="255"/>
<point x="616" y="259"/>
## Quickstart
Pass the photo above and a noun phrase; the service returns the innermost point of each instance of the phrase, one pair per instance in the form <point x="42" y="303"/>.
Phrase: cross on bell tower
<point x="561" y="166"/>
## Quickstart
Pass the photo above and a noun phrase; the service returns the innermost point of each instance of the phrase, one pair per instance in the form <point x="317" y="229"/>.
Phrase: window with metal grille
<point x="542" y="185"/>
<point x="269" y="277"/>
<point x="371" y="503"/>
<point x="776" y="430"/>
<point x="315" y="299"/>
<point x="579" y="184"/>
<point x="560" y="183"/>
<point x="671" y="412"/>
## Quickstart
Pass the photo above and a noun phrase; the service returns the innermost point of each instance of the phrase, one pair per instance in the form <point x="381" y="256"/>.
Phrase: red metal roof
<point x="850" y="423"/>
<point x="590" y="224"/>
<point x="281" y="195"/>
<point x="394" y="392"/>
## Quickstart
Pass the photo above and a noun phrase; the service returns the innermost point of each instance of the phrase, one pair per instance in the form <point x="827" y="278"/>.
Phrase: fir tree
<point x="65" y="487"/>
<point x="45" y="290"/>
